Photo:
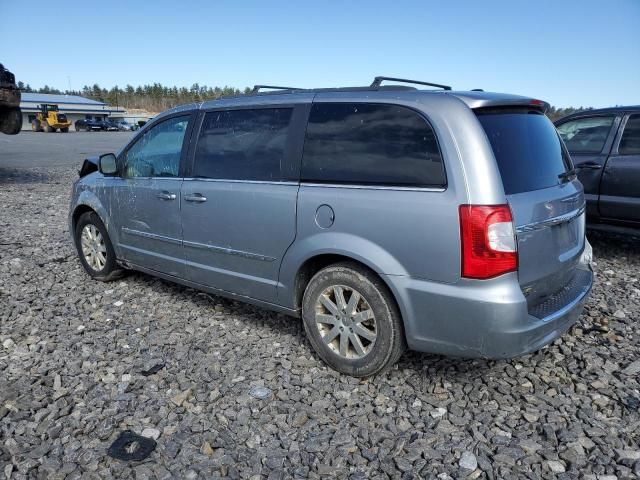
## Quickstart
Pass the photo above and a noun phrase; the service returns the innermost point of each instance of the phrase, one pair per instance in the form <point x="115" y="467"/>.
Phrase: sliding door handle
<point x="195" y="197"/>
<point x="164" y="195"/>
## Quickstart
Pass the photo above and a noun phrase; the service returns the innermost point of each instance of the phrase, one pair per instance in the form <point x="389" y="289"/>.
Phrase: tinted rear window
<point x="527" y="148"/>
<point x="370" y="144"/>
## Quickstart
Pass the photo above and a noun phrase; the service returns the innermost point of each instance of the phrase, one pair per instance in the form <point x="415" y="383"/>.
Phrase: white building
<point x="75" y="107"/>
<point x="132" y="116"/>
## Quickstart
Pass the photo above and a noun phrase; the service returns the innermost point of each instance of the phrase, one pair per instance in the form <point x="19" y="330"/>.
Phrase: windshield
<point x="527" y="148"/>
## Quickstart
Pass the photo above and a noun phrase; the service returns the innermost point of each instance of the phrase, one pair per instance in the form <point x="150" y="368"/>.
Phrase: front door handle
<point x="589" y="165"/>
<point x="196" y="197"/>
<point x="164" y="195"/>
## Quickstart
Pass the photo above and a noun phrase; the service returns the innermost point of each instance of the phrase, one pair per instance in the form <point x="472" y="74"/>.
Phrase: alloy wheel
<point x="93" y="247"/>
<point x="345" y="321"/>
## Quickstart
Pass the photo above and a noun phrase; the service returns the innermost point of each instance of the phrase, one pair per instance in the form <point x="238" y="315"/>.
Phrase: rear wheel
<point x="95" y="249"/>
<point x="352" y="320"/>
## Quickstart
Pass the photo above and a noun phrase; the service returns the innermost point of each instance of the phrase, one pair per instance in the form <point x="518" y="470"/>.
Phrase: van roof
<point x="473" y="98"/>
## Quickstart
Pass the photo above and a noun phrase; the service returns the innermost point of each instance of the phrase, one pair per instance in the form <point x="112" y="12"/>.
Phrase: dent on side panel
<point x="93" y="192"/>
<point x="90" y="196"/>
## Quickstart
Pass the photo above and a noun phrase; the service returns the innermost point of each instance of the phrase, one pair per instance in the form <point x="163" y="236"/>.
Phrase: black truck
<point x="605" y="148"/>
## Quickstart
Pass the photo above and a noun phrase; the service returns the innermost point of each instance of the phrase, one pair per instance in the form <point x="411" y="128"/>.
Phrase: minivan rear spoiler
<point x="476" y="99"/>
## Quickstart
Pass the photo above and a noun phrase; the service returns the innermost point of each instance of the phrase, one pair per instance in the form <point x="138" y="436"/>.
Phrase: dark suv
<point x="88" y="125"/>
<point x="605" y="147"/>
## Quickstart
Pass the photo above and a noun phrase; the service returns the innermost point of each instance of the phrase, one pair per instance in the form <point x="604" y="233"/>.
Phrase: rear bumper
<point x="486" y="319"/>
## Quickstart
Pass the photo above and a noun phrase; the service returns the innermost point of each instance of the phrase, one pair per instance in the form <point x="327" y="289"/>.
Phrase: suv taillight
<point x="488" y="241"/>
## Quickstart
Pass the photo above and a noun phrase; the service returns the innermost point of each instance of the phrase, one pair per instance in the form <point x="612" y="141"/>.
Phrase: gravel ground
<point x="72" y="351"/>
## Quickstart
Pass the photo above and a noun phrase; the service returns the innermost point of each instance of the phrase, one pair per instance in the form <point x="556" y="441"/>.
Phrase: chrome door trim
<point x="229" y="251"/>
<point x="222" y="180"/>
<point x="154" y="236"/>
<point x="373" y="187"/>
<point x="567" y="217"/>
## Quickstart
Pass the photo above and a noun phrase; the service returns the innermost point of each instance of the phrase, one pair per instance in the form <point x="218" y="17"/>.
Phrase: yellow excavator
<point x="49" y="120"/>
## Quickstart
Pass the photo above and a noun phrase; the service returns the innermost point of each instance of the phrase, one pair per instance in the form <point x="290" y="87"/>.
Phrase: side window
<point x="586" y="135"/>
<point x="630" y="141"/>
<point x="371" y="144"/>
<point x="157" y="153"/>
<point x="243" y="144"/>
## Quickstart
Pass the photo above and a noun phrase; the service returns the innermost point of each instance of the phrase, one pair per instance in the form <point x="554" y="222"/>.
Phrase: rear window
<point x="370" y="144"/>
<point x="527" y="148"/>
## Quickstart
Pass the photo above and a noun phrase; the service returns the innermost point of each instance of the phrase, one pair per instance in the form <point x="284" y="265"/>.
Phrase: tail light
<point x="488" y="241"/>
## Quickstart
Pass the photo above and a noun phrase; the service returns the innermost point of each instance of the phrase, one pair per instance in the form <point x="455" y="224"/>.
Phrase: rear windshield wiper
<point x="568" y="175"/>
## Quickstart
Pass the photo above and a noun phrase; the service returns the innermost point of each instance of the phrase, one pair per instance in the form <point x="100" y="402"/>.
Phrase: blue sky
<point x="570" y="53"/>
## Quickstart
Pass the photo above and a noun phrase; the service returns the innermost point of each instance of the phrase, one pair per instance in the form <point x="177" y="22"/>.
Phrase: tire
<point x="102" y="264"/>
<point x="50" y="129"/>
<point x="381" y="338"/>
<point x="10" y="120"/>
<point x="64" y="130"/>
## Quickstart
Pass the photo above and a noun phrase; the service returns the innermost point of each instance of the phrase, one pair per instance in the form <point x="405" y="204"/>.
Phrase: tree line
<point x="153" y="98"/>
<point x="158" y="97"/>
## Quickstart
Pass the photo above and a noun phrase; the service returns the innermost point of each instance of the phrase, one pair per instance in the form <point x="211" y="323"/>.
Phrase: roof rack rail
<point x="257" y="88"/>
<point x="378" y="80"/>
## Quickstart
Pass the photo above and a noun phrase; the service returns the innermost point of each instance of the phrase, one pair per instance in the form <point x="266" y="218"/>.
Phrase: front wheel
<point x="95" y="249"/>
<point x="352" y="320"/>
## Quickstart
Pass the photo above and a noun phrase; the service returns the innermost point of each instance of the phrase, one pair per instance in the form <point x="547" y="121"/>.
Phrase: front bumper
<point x="484" y="319"/>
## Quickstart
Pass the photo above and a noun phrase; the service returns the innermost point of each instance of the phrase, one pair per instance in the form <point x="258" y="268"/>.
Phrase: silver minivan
<point x="386" y="217"/>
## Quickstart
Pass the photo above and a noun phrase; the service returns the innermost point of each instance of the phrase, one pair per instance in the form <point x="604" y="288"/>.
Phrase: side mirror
<point x="108" y="165"/>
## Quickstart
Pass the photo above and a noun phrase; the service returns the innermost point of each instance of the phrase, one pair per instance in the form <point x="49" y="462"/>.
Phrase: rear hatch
<point x="547" y="203"/>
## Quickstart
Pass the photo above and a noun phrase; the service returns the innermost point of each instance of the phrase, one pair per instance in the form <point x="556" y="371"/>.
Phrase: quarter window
<point x="157" y="153"/>
<point x="630" y="141"/>
<point x="371" y="144"/>
<point x="586" y="135"/>
<point x="243" y="144"/>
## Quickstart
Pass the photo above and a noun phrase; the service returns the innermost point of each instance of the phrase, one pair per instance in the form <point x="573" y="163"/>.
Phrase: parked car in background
<point x="605" y="147"/>
<point x="109" y="125"/>
<point x="448" y="222"/>
<point x="125" y="126"/>
<point x="88" y="125"/>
